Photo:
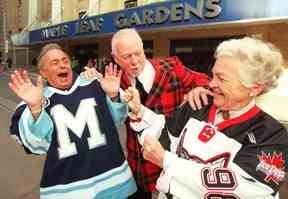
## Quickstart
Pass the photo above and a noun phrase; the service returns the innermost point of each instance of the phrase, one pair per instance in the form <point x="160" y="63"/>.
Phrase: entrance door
<point x="197" y="54"/>
<point x="85" y="52"/>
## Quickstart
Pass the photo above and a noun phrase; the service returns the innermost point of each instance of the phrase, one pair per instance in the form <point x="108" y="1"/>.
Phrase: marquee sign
<point x="163" y="15"/>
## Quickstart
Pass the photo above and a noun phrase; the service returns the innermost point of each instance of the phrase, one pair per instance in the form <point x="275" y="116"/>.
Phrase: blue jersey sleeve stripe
<point x="32" y="142"/>
<point x="43" y="121"/>
<point x="84" y="82"/>
<point x="121" y="177"/>
<point x="121" y="190"/>
<point x="118" y="110"/>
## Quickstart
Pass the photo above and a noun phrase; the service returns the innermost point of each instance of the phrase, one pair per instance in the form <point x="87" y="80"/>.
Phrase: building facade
<point x="13" y="20"/>
<point x="190" y="29"/>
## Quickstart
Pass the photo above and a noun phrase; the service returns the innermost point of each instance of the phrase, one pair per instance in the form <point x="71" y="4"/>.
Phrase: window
<point x="130" y="3"/>
<point x="85" y="52"/>
<point x="148" y="48"/>
<point x="45" y="10"/>
<point x="82" y="14"/>
<point x="197" y="54"/>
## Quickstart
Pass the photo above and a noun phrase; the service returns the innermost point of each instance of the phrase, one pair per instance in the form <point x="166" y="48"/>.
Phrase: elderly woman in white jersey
<point x="230" y="148"/>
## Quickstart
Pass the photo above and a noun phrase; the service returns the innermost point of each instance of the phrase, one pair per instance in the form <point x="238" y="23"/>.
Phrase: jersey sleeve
<point x="159" y="126"/>
<point x="150" y="124"/>
<point x="35" y="136"/>
<point x="119" y="111"/>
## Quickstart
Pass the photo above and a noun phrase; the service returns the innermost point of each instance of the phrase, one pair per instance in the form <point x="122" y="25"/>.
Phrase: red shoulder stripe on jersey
<point x="244" y="117"/>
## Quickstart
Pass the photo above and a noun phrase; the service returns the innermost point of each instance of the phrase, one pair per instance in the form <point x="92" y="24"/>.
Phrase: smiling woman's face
<point x="57" y="69"/>
<point x="228" y="91"/>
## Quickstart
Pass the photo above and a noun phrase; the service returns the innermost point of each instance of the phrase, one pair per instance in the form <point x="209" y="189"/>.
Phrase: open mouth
<point x="134" y="69"/>
<point x="63" y="75"/>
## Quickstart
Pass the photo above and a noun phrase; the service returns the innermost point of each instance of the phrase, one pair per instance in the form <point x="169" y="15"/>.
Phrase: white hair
<point x="261" y="61"/>
<point x="125" y="33"/>
<point x="45" y="49"/>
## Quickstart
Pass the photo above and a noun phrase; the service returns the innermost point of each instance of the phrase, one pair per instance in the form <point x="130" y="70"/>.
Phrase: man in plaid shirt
<point x="162" y="84"/>
<point x="165" y="81"/>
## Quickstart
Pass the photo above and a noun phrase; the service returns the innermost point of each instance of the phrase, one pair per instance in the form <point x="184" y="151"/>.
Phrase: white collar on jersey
<point x="235" y="113"/>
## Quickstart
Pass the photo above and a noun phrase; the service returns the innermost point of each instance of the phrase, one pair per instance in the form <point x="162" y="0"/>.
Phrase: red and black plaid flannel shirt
<point x="172" y="80"/>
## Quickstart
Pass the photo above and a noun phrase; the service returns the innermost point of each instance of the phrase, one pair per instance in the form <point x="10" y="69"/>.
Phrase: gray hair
<point x="125" y="33"/>
<point x="261" y="61"/>
<point x="45" y="49"/>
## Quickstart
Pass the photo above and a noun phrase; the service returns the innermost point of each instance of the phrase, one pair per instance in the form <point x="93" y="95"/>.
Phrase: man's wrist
<point x="113" y="96"/>
<point x="136" y="110"/>
<point x="137" y="115"/>
<point x="36" y="108"/>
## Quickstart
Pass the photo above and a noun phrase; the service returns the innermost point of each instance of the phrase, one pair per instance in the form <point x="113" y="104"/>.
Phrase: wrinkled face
<point x="229" y="93"/>
<point x="57" y="69"/>
<point x="130" y="56"/>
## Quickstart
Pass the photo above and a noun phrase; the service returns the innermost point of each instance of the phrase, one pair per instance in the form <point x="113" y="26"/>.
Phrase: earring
<point x="251" y="94"/>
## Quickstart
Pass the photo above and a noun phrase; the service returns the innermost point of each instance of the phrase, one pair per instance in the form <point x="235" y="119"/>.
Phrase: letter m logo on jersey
<point x="64" y="120"/>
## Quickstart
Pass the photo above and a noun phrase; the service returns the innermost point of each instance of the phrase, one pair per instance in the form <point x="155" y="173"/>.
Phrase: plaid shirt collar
<point x="147" y="75"/>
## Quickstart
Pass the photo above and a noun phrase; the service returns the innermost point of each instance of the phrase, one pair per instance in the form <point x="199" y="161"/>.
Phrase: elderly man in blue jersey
<point x="74" y="122"/>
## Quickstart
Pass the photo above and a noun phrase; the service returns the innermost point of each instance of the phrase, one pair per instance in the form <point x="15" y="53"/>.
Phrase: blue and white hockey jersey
<point x="77" y="132"/>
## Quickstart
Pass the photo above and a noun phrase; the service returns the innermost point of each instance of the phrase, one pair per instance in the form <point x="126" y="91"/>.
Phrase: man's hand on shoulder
<point x="198" y="97"/>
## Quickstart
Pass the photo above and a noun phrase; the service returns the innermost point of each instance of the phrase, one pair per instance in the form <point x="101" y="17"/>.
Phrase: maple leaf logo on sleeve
<point x="272" y="165"/>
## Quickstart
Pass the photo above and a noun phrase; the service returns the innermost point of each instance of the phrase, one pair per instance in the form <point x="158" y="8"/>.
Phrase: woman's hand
<point x="153" y="150"/>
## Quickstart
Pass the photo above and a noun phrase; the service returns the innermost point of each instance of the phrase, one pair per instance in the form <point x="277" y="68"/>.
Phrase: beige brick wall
<point x="278" y="35"/>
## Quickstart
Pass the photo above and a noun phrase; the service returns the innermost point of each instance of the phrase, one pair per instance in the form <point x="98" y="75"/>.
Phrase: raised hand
<point x="110" y="83"/>
<point x="132" y="98"/>
<point x="91" y="73"/>
<point x="22" y="86"/>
